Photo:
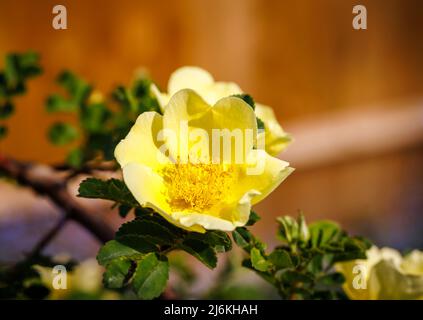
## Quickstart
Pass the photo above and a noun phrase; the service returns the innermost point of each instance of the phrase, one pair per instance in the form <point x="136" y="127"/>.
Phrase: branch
<point x="48" y="182"/>
<point x="45" y="240"/>
<point x="88" y="167"/>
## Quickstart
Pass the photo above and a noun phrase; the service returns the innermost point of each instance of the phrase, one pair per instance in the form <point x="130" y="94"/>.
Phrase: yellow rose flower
<point x="276" y="140"/>
<point x="191" y="186"/>
<point x="385" y="275"/>
<point x="211" y="91"/>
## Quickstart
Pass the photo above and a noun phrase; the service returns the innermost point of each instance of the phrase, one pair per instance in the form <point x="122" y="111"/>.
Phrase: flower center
<point x="197" y="186"/>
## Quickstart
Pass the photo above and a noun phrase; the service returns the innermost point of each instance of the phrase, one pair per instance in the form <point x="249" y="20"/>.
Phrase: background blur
<point x="352" y="99"/>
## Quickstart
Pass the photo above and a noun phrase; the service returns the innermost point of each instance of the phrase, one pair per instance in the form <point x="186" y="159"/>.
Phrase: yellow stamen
<point x="197" y="186"/>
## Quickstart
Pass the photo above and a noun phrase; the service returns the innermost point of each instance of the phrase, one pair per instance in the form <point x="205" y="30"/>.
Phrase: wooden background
<point x="301" y="57"/>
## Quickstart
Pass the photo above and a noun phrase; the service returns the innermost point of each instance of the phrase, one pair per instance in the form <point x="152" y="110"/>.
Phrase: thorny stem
<point x="45" y="240"/>
<point x="47" y="182"/>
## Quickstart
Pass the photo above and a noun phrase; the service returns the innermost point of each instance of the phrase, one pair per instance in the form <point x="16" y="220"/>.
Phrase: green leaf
<point x="18" y="68"/>
<point x="56" y="103"/>
<point x="260" y="124"/>
<point x="258" y="261"/>
<point x="77" y="88"/>
<point x="114" y="249"/>
<point x="148" y="230"/>
<point x="103" y="142"/>
<point x="353" y="248"/>
<point x="141" y="243"/>
<point x="288" y="229"/>
<point x="3" y="86"/>
<point x="243" y="238"/>
<point x="75" y="158"/>
<point x="247" y="98"/>
<point x="201" y="250"/>
<point x="151" y="276"/>
<point x="112" y="189"/>
<point x="290" y="277"/>
<point x="219" y="240"/>
<point x="116" y="273"/>
<point x="331" y="279"/>
<point x="94" y="116"/>
<point x="183" y="268"/>
<point x="254" y="217"/>
<point x="322" y="232"/>
<point x="124" y="210"/>
<point x="3" y="131"/>
<point x="158" y="219"/>
<point x="141" y="212"/>
<point x="304" y="233"/>
<point x="265" y="275"/>
<point x="280" y="259"/>
<point x="6" y="110"/>
<point x="135" y="100"/>
<point x="125" y="98"/>
<point x="28" y="64"/>
<point x="315" y="265"/>
<point x="62" y="133"/>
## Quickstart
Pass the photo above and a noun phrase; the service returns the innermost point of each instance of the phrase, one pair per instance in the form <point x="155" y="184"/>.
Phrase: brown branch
<point x="88" y="167"/>
<point x="48" y="182"/>
<point x="45" y="240"/>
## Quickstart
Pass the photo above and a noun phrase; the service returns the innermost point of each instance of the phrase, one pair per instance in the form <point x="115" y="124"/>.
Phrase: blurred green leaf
<point x="3" y="131"/>
<point x="6" y="110"/>
<point x="280" y="259"/>
<point x="302" y="267"/>
<point x="331" y="279"/>
<point x="267" y="276"/>
<point x="243" y="238"/>
<point x="254" y="217"/>
<point x="182" y="267"/>
<point x="304" y="233"/>
<point x="75" y="158"/>
<point x="125" y="98"/>
<point x="322" y="232"/>
<point x="62" y="133"/>
<point x="260" y="124"/>
<point x="136" y="99"/>
<point x="288" y="229"/>
<point x="94" y="116"/>
<point x="101" y="142"/>
<point x="76" y="87"/>
<point x="258" y="261"/>
<point x="56" y="103"/>
<point x="289" y="277"/>
<point x="116" y="273"/>
<point x="18" y="68"/>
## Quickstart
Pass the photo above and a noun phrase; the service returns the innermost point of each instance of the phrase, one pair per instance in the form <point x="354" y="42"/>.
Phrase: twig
<point x="88" y="167"/>
<point x="45" y="240"/>
<point x="46" y="181"/>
